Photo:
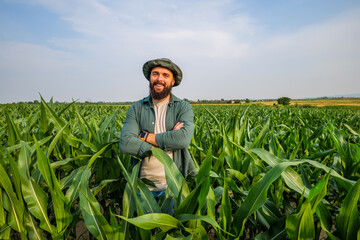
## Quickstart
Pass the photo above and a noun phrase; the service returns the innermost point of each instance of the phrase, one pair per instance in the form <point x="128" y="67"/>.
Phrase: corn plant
<point x="261" y="173"/>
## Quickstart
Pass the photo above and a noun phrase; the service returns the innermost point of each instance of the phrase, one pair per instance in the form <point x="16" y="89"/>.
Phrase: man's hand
<point x="178" y="126"/>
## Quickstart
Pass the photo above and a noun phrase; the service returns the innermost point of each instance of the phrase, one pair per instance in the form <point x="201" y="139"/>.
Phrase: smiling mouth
<point x="158" y="83"/>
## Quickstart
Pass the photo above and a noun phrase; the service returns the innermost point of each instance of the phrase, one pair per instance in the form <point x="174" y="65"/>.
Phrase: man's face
<point x="161" y="82"/>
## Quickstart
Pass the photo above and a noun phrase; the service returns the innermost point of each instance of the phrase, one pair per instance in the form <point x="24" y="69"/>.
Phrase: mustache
<point x="158" y="82"/>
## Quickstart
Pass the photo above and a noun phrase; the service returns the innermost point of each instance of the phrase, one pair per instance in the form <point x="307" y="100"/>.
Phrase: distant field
<point x="322" y="102"/>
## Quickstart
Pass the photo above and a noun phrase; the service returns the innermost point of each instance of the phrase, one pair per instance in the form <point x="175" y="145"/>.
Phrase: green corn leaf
<point x="53" y="116"/>
<point x="2" y="210"/>
<point x="127" y="211"/>
<point x="347" y="222"/>
<point x="91" y="129"/>
<point x="225" y="210"/>
<point x="101" y="185"/>
<point x="5" y="233"/>
<point x="44" y="121"/>
<point x="257" y="196"/>
<point x="105" y="124"/>
<point x="61" y="210"/>
<point x="86" y="144"/>
<point x="262" y="136"/>
<point x="270" y="212"/>
<point x="190" y="203"/>
<point x="34" y="232"/>
<point x="190" y="217"/>
<point x="174" y="178"/>
<point x="18" y="146"/>
<point x="34" y="196"/>
<point x="346" y="183"/>
<point x="147" y="198"/>
<point x="129" y="198"/>
<point x="115" y="226"/>
<point x="276" y="231"/>
<point x="210" y="203"/>
<point x="343" y="149"/>
<point x="12" y="205"/>
<point x="59" y="123"/>
<point x="67" y="106"/>
<point x="13" y="131"/>
<point x="296" y="150"/>
<point x="291" y="177"/>
<point x="325" y="220"/>
<point x="16" y="179"/>
<point x="73" y="191"/>
<point x="55" y="140"/>
<point x="90" y="209"/>
<point x="301" y="225"/>
<point x="203" y="176"/>
<point x="131" y="189"/>
<point x="153" y="220"/>
<point x="95" y="156"/>
<point x="352" y="130"/>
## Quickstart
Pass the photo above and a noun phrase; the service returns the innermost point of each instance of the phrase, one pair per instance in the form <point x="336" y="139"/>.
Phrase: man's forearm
<point x="151" y="137"/>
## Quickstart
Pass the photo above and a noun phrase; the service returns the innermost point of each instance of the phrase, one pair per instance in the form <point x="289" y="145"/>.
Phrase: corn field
<point x="262" y="173"/>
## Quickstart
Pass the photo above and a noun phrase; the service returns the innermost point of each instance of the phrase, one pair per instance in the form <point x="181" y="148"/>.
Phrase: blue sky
<point x="94" y="50"/>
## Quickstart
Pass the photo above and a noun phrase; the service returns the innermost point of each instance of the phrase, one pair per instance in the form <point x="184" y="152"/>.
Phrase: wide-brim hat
<point x="166" y="63"/>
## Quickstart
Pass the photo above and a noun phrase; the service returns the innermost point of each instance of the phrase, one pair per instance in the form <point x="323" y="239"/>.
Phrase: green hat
<point x="166" y="63"/>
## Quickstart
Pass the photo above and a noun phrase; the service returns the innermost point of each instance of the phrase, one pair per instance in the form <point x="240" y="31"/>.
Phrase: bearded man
<point x="160" y="120"/>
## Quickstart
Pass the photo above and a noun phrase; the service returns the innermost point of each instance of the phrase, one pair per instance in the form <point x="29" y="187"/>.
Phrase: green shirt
<point x="141" y="118"/>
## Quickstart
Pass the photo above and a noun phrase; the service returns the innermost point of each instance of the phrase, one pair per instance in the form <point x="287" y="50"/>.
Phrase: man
<point x="160" y="120"/>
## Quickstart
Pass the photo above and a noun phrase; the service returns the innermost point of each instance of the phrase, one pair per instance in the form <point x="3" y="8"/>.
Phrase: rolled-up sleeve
<point x="178" y="139"/>
<point x="129" y="141"/>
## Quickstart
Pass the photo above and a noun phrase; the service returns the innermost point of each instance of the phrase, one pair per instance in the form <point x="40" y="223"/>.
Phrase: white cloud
<point x="321" y="59"/>
<point x="220" y="51"/>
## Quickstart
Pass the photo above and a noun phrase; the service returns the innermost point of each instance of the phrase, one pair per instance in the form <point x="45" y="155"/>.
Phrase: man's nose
<point x="161" y="77"/>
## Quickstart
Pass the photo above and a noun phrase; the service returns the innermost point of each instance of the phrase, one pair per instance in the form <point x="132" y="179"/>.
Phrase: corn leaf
<point x="34" y="196"/>
<point x="33" y="230"/>
<point x="153" y="220"/>
<point x="174" y="178"/>
<point x="147" y="198"/>
<point x="61" y="210"/>
<point x="225" y="210"/>
<point x="15" y="207"/>
<point x="90" y="209"/>
<point x="301" y="225"/>
<point x="257" y="196"/>
<point x="348" y="220"/>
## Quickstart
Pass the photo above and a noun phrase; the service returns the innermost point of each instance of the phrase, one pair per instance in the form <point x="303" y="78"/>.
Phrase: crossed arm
<point x="151" y="137"/>
<point x="179" y="137"/>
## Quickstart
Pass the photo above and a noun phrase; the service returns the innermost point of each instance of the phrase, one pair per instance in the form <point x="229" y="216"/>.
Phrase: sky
<point x="94" y="50"/>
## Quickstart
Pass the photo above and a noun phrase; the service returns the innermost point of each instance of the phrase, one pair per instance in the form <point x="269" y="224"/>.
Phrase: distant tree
<point x="284" y="101"/>
<point x="247" y="100"/>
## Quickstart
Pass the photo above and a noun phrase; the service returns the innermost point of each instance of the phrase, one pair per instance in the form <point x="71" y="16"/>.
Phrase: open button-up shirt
<point x="141" y="118"/>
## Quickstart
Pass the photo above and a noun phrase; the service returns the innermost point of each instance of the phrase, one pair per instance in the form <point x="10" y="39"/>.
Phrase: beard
<point x="159" y="95"/>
